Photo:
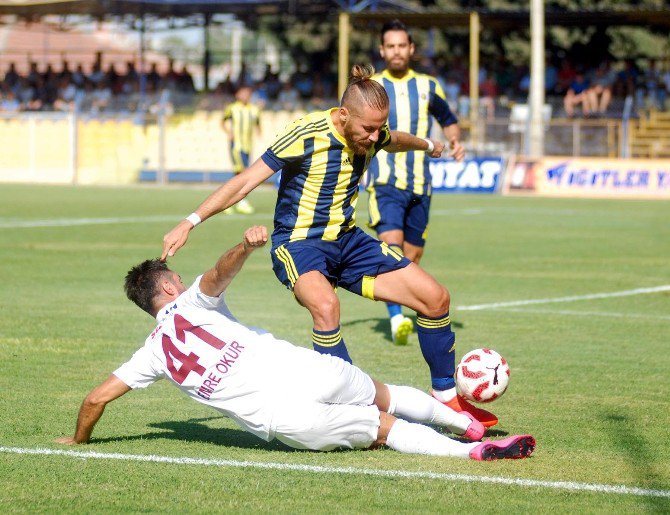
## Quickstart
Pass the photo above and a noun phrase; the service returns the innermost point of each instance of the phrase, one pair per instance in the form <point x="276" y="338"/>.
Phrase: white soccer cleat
<point x="401" y="330"/>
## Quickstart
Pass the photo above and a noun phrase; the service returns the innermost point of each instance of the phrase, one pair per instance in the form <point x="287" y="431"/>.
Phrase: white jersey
<point x="200" y="346"/>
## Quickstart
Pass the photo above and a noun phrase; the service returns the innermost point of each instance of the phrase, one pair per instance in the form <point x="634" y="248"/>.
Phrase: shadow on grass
<point x="382" y="325"/>
<point x="194" y="430"/>
<point x="625" y="435"/>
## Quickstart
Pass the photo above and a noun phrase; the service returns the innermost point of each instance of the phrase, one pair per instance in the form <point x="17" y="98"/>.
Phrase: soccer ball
<point x="482" y="375"/>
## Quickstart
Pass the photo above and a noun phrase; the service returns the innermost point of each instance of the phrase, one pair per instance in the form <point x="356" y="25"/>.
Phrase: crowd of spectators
<point x="94" y="91"/>
<point x="577" y="89"/>
<point x="567" y="85"/>
<point x="303" y="89"/>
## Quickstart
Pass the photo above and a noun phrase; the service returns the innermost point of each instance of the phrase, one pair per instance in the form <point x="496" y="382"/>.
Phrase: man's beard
<point x="358" y="148"/>
<point x="398" y="66"/>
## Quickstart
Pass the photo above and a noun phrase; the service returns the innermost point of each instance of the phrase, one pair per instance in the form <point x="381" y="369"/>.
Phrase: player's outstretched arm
<point x="404" y="142"/>
<point x="453" y="134"/>
<point x="225" y="196"/>
<point x="92" y="408"/>
<point x="217" y="279"/>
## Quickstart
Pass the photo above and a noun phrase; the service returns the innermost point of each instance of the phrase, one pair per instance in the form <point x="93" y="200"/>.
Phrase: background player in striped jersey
<point x="400" y="184"/>
<point x="316" y="244"/>
<point x="269" y="387"/>
<point x="240" y="120"/>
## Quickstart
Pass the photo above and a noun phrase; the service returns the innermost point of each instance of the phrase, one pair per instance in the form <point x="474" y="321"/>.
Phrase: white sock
<point x="444" y="395"/>
<point x="417" y="439"/>
<point x="413" y="404"/>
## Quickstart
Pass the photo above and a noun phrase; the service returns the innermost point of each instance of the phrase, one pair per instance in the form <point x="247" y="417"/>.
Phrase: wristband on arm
<point x="431" y="145"/>
<point x="194" y="219"/>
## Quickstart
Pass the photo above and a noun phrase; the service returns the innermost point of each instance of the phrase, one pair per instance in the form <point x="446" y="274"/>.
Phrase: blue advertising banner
<point x="478" y="175"/>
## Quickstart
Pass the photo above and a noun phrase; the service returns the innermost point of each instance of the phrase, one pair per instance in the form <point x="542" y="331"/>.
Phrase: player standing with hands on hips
<point x="400" y="184"/>
<point x="316" y="244"/>
<point x="269" y="387"/>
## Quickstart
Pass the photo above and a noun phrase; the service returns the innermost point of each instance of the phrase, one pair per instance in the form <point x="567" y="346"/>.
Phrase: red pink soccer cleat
<point x="510" y="448"/>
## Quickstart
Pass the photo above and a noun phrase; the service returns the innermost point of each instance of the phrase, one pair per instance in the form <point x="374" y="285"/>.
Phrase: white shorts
<point x="328" y="404"/>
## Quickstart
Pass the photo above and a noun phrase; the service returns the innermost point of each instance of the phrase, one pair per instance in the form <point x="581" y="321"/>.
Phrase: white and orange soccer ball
<point x="482" y="375"/>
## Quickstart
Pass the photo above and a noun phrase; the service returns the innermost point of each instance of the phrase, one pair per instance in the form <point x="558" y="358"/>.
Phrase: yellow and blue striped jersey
<point x="415" y="100"/>
<point x="244" y="117"/>
<point x="318" y="189"/>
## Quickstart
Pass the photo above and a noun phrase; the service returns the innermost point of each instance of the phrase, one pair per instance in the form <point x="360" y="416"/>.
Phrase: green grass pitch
<point x="589" y="377"/>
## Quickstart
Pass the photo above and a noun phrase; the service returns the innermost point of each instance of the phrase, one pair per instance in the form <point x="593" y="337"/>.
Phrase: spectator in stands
<point x="648" y="94"/>
<point x="259" y="95"/>
<point x="97" y="75"/>
<point x="153" y="78"/>
<point x="185" y="81"/>
<point x="627" y="79"/>
<point x="488" y="91"/>
<point x="578" y="94"/>
<point x="27" y="94"/>
<point x="550" y="76"/>
<point x="666" y="85"/>
<point x="171" y="78"/>
<point x="452" y="90"/>
<point x="9" y="103"/>
<point x="79" y="76"/>
<point x="225" y="87"/>
<point x="272" y="84"/>
<point x="131" y="79"/>
<point x="244" y="78"/>
<point x="68" y="95"/>
<point x="34" y="75"/>
<point x="600" y="92"/>
<point x="288" y="97"/>
<point x="523" y="72"/>
<point x="65" y="71"/>
<point x="319" y="94"/>
<point x="302" y="81"/>
<point x="566" y="75"/>
<point x="503" y="73"/>
<point x="101" y="97"/>
<point x="12" y="77"/>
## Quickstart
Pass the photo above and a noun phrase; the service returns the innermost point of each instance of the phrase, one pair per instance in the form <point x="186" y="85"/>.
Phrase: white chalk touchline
<point x="569" y="312"/>
<point x="559" y="485"/>
<point x="625" y="293"/>
<point x="71" y="222"/>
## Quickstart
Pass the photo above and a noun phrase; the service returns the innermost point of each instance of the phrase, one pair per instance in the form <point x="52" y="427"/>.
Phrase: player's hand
<point x="66" y="440"/>
<point x="439" y="147"/>
<point x="176" y="239"/>
<point x="456" y="150"/>
<point x="255" y="237"/>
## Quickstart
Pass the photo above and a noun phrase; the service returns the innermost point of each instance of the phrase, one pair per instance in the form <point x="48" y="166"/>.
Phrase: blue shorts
<point x="394" y="209"/>
<point x="352" y="261"/>
<point x="240" y="159"/>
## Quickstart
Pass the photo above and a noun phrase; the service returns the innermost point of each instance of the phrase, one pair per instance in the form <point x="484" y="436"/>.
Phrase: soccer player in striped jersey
<point x="240" y="120"/>
<point x="316" y="244"/>
<point x="400" y="184"/>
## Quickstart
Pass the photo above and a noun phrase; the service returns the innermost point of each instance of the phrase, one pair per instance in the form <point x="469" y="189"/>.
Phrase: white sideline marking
<point x="71" y="222"/>
<point x="558" y="485"/>
<point x="625" y="293"/>
<point x="568" y="312"/>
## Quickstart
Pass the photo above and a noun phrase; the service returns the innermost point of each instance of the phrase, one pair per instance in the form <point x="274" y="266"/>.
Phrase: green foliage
<point x="589" y="377"/>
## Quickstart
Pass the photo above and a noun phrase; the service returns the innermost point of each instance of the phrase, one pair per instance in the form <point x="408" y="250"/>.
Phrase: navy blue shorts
<point x="352" y="262"/>
<point x="240" y="158"/>
<point x="394" y="209"/>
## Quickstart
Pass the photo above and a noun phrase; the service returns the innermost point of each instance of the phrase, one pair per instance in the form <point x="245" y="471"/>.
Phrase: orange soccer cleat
<point x="459" y="404"/>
